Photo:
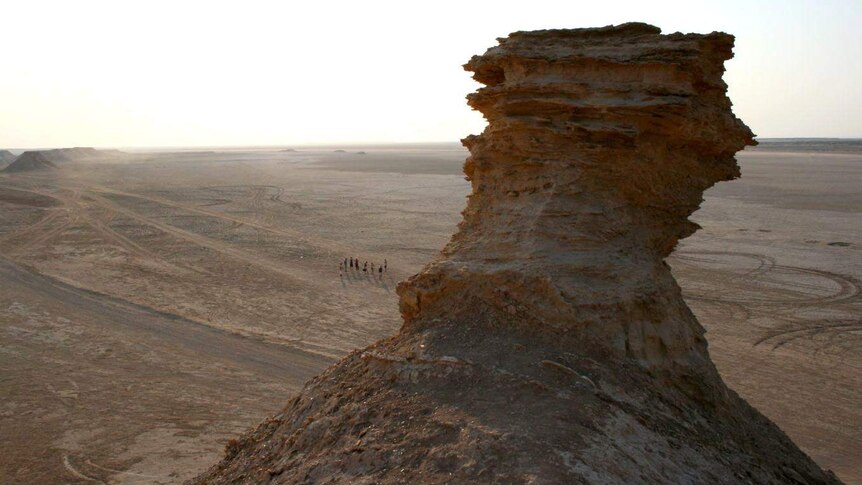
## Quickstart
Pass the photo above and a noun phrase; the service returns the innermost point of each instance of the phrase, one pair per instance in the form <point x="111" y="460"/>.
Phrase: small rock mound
<point x="549" y="342"/>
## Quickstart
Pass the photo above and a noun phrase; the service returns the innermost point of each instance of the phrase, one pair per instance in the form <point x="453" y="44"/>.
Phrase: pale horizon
<point x="338" y="144"/>
<point x="205" y="74"/>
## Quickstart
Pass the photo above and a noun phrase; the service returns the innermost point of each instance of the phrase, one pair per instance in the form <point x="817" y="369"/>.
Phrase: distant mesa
<point x="288" y="150"/>
<point x="79" y="154"/>
<point x="360" y="153"/>
<point x="6" y="158"/>
<point x="339" y="151"/>
<point x="29" y="162"/>
<point x="50" y="159"/>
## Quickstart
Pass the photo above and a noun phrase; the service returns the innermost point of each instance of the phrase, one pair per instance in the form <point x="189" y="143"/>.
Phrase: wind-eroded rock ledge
<point x="549" y="343"/>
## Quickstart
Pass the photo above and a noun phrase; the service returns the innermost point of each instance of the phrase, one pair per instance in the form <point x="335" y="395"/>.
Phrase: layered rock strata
<point x="549" y="343"/>
<point x="599" y="146"/>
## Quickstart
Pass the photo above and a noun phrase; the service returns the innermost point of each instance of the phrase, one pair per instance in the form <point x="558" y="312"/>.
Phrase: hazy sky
<point x="172" y="73"/>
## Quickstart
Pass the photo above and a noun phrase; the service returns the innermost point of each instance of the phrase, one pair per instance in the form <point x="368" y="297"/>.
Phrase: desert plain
<point x="155" y="306"/>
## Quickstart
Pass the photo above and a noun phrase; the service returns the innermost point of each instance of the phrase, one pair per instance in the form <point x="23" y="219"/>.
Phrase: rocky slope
<point x="549" y="343"/>
<point x="80" y="154"/>
<point x="49" y="159"/>
<point x="30" y="161"/>
<point x="6" y="157"/>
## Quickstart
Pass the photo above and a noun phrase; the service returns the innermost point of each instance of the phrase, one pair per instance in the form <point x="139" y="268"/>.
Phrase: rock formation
<point x="48" y="159"/>
<point x="81" y="154"/>
<point x="549" y="342"/>
<point x="6" y="157"/>
<point x="599" y="146"/>
<point x="30" y="161"/>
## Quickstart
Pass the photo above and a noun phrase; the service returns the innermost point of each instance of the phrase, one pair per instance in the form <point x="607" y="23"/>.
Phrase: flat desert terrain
<point x="155" y="307"/>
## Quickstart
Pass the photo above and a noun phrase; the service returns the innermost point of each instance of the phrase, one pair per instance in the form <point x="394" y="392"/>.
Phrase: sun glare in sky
<point x="186" y="73"/>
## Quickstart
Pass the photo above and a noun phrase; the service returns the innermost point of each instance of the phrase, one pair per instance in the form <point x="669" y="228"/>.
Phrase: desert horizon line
<point x="347" y="144"/>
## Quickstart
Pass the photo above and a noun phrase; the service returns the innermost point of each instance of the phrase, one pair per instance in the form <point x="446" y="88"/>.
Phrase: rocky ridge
<point x="6" y="157"/>
<point x="50" y="159"/>
<point x="79" y="154"/>
<point x="30" y="161"/>
<point x="549" y="342"/>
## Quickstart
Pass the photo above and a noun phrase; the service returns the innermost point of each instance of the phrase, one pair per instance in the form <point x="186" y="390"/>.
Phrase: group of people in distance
<point x="353" y="265"/>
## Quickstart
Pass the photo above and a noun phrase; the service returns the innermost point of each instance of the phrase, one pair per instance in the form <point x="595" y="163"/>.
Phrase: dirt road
<point x="99" y="387"/>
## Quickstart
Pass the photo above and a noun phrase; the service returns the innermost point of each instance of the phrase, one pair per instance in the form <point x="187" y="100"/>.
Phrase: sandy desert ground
<point x="153" y="308"/>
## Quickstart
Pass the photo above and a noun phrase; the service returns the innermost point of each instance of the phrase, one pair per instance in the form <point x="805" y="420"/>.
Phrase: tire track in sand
<point x="780" y="295"/>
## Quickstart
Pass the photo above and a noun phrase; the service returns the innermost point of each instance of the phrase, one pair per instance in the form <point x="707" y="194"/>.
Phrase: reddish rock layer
<point x="549" y="342"/>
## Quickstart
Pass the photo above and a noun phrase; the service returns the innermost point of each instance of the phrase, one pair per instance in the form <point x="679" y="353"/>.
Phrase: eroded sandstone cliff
<point x="549" y="343"/>
<point x="599" y="146"/>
